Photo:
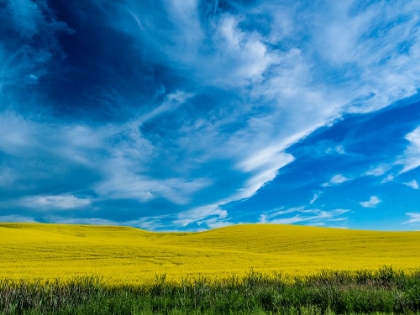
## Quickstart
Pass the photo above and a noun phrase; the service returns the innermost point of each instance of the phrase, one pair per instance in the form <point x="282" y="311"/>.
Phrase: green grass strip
<point x="386" y="291"/>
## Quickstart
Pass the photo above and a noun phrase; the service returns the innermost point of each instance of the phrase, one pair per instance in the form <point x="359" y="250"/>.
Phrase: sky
<point x="196" y="114"/>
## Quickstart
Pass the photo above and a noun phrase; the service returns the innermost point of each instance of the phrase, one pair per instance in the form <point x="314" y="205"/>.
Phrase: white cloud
<point x="171" y="103"/>
<point x="411" y="157"/>
<point x="336" y="180"/>
<point x="149" y="223"/>
<point x="378" y="171"/>
<point x="200" y="215"/>
<point x="263" y="166"/>
<point x="54" y="202"/>
<point x="388" y="178"/>
<point x="371" y="203"/>
<point x="214" y="223"/>
<point x="413" y="184"/>
<point x="123" y="183"/>
<point x="311" y="216"/>
<point x="314" y="198"/>
<point x="340" y="149"/>
<point x="414" y="217"/>
<point x="409" y="160"/>
<point x="16" y="133"/>
<point x="252" y="57"/>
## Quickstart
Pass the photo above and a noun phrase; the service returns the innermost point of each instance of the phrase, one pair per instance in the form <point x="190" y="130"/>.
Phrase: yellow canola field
<point x="123" y="255"/>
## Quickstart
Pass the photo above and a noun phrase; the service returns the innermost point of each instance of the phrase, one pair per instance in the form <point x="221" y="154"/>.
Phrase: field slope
<point x="129" y="255"/>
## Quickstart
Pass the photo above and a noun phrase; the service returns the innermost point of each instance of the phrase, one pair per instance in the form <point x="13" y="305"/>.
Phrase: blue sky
<point x="192" y="115"/>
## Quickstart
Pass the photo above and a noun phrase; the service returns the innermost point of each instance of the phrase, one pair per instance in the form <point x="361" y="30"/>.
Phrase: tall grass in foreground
<point x="362" y="292"/>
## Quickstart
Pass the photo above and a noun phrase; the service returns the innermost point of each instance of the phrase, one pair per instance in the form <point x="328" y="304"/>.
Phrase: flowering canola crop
<point x="124" y="255"/>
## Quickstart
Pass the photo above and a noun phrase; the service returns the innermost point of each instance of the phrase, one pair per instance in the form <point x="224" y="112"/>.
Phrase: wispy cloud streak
<point x="303" y="215"/>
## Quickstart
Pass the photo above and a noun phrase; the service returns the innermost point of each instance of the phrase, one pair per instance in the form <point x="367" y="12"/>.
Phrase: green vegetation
<point x="363" y="292"/>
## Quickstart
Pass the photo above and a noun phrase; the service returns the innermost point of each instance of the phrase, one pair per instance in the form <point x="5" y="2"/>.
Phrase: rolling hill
<point x="130" y="255"/>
